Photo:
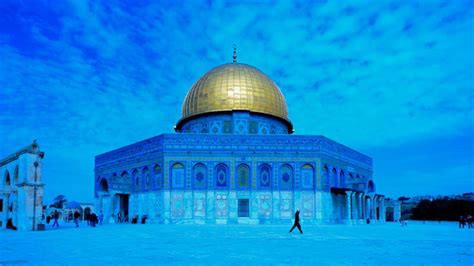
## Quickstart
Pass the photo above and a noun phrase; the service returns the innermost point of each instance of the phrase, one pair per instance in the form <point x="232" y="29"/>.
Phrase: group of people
<point x="92" y="219"/>
<point x="466" y="220"/>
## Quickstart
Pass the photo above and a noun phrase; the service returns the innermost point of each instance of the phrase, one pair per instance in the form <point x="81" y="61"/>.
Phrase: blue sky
<point x="392" y="79"/>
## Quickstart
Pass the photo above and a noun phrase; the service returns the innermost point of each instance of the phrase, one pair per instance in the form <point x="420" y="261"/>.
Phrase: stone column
<point x="113" y="214"/>
<point x="382" y="209"/>
<point x="361" y="206"/>
<point x="348" y="207"/>
<point x="6" y="199"/>
<point x="354" y="206"/>
<point x="372" y="209"/>
<point x="369" y="208"/>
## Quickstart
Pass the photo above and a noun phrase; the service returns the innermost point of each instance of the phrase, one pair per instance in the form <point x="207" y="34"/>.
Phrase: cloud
<point x="92" y="76"/>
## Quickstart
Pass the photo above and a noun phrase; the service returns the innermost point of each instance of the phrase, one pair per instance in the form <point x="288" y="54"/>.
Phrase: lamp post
<point x="36" y="164"/>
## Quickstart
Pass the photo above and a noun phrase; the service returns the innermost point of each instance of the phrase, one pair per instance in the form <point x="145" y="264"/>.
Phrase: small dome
<point x="235" y="86"/>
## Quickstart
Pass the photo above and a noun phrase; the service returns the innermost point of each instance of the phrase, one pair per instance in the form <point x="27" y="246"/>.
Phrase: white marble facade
<point x="21" y="189"/>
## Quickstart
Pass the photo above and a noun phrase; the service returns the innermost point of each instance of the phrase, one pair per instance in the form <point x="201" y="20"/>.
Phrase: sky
<point x="391" y="79"/>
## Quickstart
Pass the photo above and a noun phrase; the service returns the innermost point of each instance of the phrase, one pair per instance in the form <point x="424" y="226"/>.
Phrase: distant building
<point x="234" y="160"/>
<point x="21" y="190"/>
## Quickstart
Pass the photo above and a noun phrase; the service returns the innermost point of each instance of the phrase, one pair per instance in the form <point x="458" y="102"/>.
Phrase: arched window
<point x="199" y="176"/>
<point x="325" y="179"/>
<point x="341" y="179"/>
<point x="221" y="175"/>
<point x="371" y="186"/>
<point x="307" y="176"/>
<point x="7" y="179"/>
<point x="177" y="175"/>
<point x="334" y="177"/>
<point x="104" y="186"/>
<point x="147" y="178"/>
<point x="16" y="175"/>
<point x="136" y="180"/>
<point x="158" y="176"/>
<point x="286" y="177"/>
<point x="125" y="177"/>
<point x="265" y="176"/>
<point x="243" y="176"/>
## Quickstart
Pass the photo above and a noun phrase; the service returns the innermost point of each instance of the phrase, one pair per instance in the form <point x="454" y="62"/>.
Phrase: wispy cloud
<point x="86" y="77"/>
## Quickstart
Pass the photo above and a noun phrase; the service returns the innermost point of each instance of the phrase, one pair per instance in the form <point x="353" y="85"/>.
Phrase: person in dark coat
<point x="297" y="222"/>
<point x="93" y="219"/>
<point x="55" y="218"/>
<point x="10" y="225"/>
<point x="77" y="215"/>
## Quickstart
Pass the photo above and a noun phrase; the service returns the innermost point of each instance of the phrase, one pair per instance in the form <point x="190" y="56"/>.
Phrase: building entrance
<point x="123" y="206"/>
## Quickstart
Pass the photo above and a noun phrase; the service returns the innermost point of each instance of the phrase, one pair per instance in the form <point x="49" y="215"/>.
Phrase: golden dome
<point x="232" y="87"/>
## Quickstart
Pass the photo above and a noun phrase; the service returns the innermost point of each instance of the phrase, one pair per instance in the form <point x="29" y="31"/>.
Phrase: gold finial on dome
<point x="235" y="53"/>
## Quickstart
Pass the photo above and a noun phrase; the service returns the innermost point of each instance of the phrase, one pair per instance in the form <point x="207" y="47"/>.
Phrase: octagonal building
<point x="233" y="159"/>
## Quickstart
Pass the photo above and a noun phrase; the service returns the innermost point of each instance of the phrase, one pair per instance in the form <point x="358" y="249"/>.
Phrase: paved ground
<point x="418" y="243"/>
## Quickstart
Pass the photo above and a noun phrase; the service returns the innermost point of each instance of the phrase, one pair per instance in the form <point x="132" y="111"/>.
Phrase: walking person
<point x="77" y="215"/>
<point x="93" y="219"/>
<point x="55" y="218"/>
<point x="297" y="222"/>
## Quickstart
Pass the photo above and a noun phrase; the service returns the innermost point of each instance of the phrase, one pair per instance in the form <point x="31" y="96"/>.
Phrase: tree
<point x="403" y="198"/>
<point x="59" y="201"/>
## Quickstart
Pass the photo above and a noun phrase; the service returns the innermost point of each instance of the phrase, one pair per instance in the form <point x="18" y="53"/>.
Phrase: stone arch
<point x="146" y="178"/>
<point x="307" y="176"/>
<point x="16" y="174"/>
<point x="7" y="179"/>
<point x="342" y="181"/>
<point x="158" y="176"/>
<point x="370" y="186"/>
<point x="334" y="177"/>
<point x="221" y="174"/>
<point x="265" y="176"/>
<point x="351" y="176"/>
<point x="103" y="185"/>
<point x="136" y="180"/>
<point x="125" y="176"/>
<point x="389" y="214"/>
<point x="325" y="179"/>
<point x="199" y="176"/>
<point x="286" y="177"/>
<point x="243" y="176"/>
<point x="177" y="175"/>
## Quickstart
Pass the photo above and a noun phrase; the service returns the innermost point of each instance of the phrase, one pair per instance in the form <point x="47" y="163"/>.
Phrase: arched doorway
<point x="389" y="214"/>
